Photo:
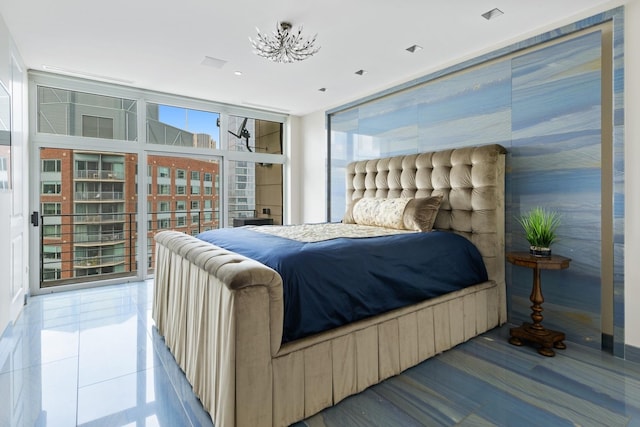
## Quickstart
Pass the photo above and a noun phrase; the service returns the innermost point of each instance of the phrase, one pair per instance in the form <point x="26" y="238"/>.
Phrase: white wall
<point x="308" y="160"/>
<point x="314" y="168"/>
<point x="314" y="179"/>
<point x="293" y="186"/>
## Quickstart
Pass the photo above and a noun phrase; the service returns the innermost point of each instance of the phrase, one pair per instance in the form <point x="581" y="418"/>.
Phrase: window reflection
<point x="254" y="191"/>
<point x="168" y="125"/>
<point x="64" y="112"/>
<point x="254" y="135"/>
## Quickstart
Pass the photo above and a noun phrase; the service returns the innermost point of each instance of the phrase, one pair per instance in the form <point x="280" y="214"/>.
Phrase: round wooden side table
<point x="535" y="332"/>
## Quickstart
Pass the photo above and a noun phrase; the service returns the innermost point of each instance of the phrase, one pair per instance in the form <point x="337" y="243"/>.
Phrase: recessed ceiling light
<point x="413" y="49"/>
<point x="237" y="73"/>
<point x="210" y="61"/>
<point x="361" y="72"/>
<point x="493" y="13"/>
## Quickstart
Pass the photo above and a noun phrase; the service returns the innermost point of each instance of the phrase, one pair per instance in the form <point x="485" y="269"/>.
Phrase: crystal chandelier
<point x="283" y="45"/>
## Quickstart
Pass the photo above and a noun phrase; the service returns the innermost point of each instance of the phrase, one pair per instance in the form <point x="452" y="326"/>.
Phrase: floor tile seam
<point x="136" y="371"/>
<point x="83" y="322"/>
<point x="41" y="317"/>
<point x="35" y="365"/>
<point x="152" y="366"/>
<point x="116" y="300"/>
<point x="44" y="364"/>
<point x="40" y="321"/>
<point x="131" y="371"/>
<point x="161" y="366"/>
<point x="143" y="309"/>
<point x="122" y="375"/>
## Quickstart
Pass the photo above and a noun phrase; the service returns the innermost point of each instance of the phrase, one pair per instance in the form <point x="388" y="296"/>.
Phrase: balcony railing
<point x="97" y="196"/>
<point x="98" y="261"/>
<point x="99" y="218"/>
<point x="101" y="175"/>
<point x="102" y="252"/>
<point x="99" y="237"/>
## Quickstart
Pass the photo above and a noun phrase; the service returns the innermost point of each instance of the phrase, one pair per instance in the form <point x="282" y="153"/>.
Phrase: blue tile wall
<point x="555" y="162"/>
<point x="543" y="103"/>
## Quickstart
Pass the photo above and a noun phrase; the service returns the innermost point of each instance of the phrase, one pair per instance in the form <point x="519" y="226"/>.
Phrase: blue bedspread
<point x="335" y="282"/>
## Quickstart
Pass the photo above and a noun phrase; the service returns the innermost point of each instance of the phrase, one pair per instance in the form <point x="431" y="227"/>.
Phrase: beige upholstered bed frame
<point x="222" y="314"/>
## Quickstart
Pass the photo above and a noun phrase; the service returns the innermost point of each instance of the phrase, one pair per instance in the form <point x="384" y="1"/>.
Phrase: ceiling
<point x="161" y="44"/>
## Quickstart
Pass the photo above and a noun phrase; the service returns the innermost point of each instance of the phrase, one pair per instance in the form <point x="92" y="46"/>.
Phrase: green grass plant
<point x="539" y="226"/>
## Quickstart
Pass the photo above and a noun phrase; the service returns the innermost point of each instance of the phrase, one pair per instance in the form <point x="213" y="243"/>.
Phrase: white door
<point x="12" y="223"/>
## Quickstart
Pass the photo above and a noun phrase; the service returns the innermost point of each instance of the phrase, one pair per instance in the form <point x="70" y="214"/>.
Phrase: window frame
<point x="56" y="184"/>
<point x="138" y="145"/>
<point x="57" y="168"/>
<point x="57" y="208"/>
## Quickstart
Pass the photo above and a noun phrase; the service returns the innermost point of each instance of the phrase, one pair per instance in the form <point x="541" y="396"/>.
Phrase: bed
<point x="222" y="314"/>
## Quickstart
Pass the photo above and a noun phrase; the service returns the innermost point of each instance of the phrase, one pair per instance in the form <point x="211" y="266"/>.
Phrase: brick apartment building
<point x="89" y="204"/>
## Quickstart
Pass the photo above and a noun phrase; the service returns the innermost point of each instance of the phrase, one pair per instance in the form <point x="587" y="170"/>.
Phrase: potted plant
<point x="539" y="226"/>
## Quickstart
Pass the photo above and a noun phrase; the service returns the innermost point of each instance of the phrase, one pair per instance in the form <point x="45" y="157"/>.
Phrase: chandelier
<point x="284" y="45"/>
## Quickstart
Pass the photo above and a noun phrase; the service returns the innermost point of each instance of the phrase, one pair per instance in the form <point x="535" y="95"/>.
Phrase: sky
<point x="194" y="121"/>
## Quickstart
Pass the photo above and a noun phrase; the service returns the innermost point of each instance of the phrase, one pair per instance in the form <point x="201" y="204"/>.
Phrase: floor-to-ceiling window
<point x="87" y="211"/>
<point x="114" y="166"/>
<point x="254" y="188"/>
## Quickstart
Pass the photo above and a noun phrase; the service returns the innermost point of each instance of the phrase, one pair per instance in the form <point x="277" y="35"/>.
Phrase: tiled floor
<point x="93" y="358"/>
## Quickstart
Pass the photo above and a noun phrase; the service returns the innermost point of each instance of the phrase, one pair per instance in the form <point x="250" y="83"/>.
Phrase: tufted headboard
<point x="471" y="181"/>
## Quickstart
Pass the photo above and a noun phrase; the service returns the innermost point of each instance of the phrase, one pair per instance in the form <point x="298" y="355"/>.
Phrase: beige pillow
<point x="380" y="212"/>
<point x="401" y="213"/>
<point x="420" y="214"/>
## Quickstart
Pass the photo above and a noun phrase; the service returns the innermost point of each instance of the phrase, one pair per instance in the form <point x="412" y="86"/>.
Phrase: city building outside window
<point x="51" y="187"/>
<point x="51" y="165"/>
<point x="164" y="189"/>
<point x="52" y="231"/>
<point x="163" y="172"/>
<point x="51" y="209"/>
